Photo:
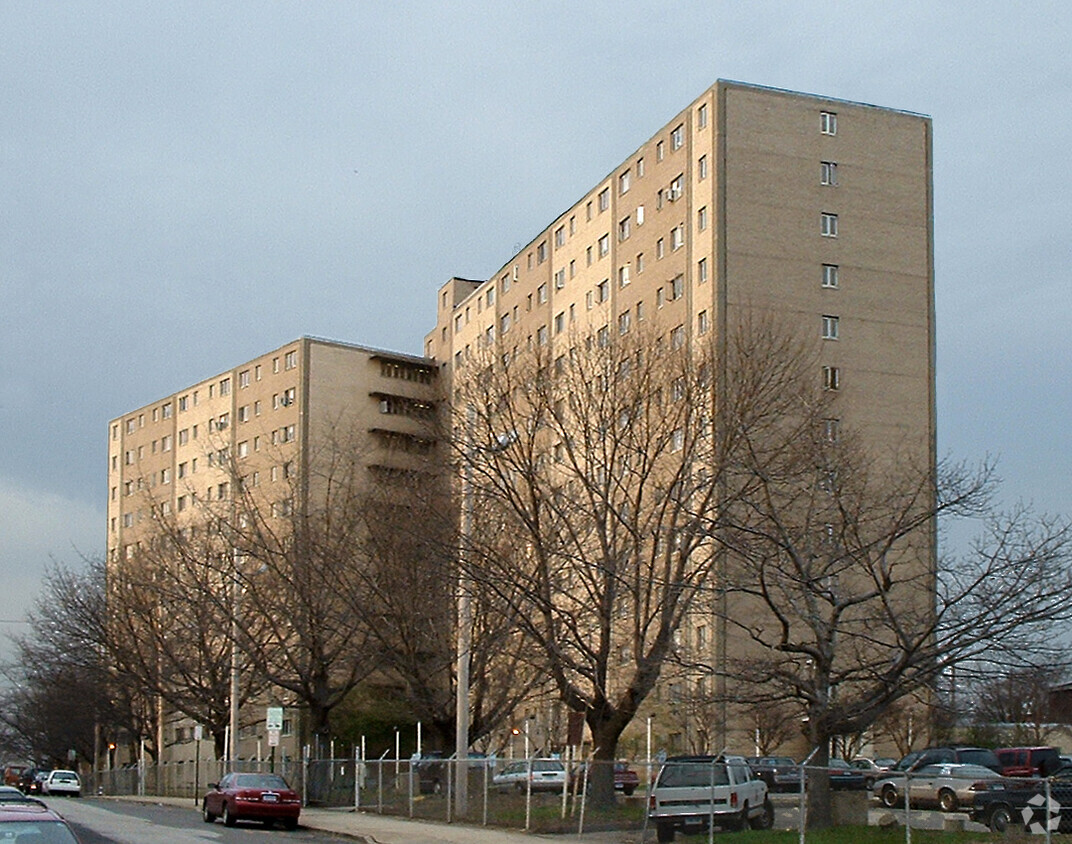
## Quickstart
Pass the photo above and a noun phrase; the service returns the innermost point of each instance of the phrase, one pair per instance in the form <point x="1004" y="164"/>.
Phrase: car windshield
<point x="679" y="774"/>
<point x="547" y="765"/>
<point x="259" y="781"/>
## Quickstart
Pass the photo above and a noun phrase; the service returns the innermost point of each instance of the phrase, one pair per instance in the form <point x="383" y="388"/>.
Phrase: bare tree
<point x="598" y="472"/>
<point x="837" y="601"/>
<point x="1019" y="702"/>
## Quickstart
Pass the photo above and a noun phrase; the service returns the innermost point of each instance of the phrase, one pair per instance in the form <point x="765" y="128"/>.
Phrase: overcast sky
<point x="184" y="186"/>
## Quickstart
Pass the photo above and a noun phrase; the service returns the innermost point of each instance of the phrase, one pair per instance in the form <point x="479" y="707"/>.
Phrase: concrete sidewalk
<point x="386" y="829"/>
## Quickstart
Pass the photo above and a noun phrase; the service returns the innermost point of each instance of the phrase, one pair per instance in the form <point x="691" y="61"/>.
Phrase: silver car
<point x="546" y="775"/>
<point x="949" y="785"/>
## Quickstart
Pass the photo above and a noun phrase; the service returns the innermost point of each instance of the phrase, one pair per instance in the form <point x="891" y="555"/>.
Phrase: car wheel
<point x="765" y="820"/>
<point x="228" y="818"/>
<point x="889" y="797"/>
<point x="947" y="800"/>
<point x="664" y="832"/>
<point x="999" y="819"/>
<point x="738" y="821"/>
<point x="290" y="823"/>
<point x="206" y="815"/>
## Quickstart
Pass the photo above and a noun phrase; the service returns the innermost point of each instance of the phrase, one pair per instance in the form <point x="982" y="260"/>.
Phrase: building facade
<point x="750" y="199"/>
<point x="261" y="424"/>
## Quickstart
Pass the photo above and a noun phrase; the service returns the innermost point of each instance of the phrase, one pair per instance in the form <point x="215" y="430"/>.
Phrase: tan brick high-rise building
<point x="261" y="423"/>
<point x="819" y="210"/>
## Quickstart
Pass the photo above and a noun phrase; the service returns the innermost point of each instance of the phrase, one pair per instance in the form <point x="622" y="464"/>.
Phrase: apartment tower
<point x="814" y="209"/>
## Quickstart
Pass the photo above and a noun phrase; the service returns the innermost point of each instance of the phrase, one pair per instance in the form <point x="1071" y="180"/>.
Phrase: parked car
<point x="780" y="773"/>
<point x="844" y="776"/>
<point x="431" y="772"/>
<point x="34" y="821"/>
<point x="872" y="769"/>
<point x="10" y="794"/>
<point x="546" y="775"/>
<point x="950" y="786"/>
<point x="692" y="793"/>
<point x="30" y="780"/>
<point x="62" y="782"/>
<point x="252" y="797"/>
<point x="12" y="774"/>
<point x="626" y="779"/>
<point x="1018" y="802"/>
<point x="1029" y="761"/>
<point x="936" y="755"/>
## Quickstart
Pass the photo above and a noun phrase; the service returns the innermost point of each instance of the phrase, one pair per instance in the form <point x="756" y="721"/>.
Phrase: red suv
<point x="1028" y="761"/>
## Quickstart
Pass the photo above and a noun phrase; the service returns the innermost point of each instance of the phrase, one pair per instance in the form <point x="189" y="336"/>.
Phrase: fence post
<point x="908" y="807"/>
<point x="359" y="770"/>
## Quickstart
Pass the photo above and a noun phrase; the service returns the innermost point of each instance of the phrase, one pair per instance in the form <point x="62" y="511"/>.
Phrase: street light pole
<point x="465" y="642"/>
<point x="232" y="743"/>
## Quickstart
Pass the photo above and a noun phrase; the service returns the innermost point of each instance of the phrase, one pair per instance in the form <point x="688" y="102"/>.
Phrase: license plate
<point x="270" y="798"/>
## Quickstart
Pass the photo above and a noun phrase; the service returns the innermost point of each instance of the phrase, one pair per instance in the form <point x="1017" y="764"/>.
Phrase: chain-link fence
<point x="652" y="801"/>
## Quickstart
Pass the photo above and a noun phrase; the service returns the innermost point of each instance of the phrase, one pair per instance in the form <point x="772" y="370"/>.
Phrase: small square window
<point x="828" y="122"/>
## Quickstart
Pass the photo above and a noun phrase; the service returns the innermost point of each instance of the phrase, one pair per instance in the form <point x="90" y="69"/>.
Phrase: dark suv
<point x="938" y="755"/>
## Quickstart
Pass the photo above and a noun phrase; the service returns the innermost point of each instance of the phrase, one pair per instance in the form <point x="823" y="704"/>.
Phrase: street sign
<point x="273" y="738"/>
<point x="274" y="719"/>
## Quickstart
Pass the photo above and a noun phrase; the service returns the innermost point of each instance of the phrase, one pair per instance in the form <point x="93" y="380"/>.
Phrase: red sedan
<point x="252" y="797"/>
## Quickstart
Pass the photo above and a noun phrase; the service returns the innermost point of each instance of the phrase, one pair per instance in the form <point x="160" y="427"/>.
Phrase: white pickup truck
<point x="693" y="793"/>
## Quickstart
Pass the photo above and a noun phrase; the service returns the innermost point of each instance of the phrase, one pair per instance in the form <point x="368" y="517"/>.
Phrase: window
<point x="677" y="238"/>
<point x="701" y="271"/>
<point x="659" y="151"/>
<point x="701" y="116"/>
<point x="831" y="378"/>
<point x="828" y="122"/>
<point x="677" y="287"/>
<point x="541" y="256"/>
<point x="243" y="413"/>
<point x="588" y="210"/>
<point x="702" y="322"/>
<point x="701" y="168"/>
<point x="184" y="402"/>
<point x="489" y="335"/>
<point x="677" y="337"/>
<point x="603" y="291"/>
<point x="490" y="298"/>
<point x="640" y="215"/>
<point x="504" y="324"/>
<point x="541" y="294"/>
<point x="640" y="311"/>
<point x="604" y="245"/>
<point x="165" y="476"/>
<point x="243" y="448"/>
<point x="674" y="191"/>
<point x="827" y="173"/>
<point x="640" y="167"/>
<point x="182" y="470"/>
<point x="225" y="387"/>
<point x="828" y="225"/>
<point x="830" y="275"/>
<point x="640" y="263"/>
<point x="504" y="283"/>
<point x="572" y="268"/>
<point x="623" y="276"/>
<point x="560" y="322"/>
<point x="677" y="439"/>
<point x="290" y="360"/>
<point x="603" y="337"/>
<point x="831" y="430"/>
<point x="184" y="436"/>
<point x="541" y="335"/>
<point x="560" y="237"/>
<point x="243" y="379"/>
<point x="623" y="182"/>
<point x="660" y="297"/>
<point x="830" y="327"/>
<point x="701" y="218"/>
<point x="677" y="137"/>
<point x="604" y="199"/>
<point x="624" y="321"/>
<point x="659" y="248"/>
<point x="165" y="443"/>
<point x="624" y="226"/>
